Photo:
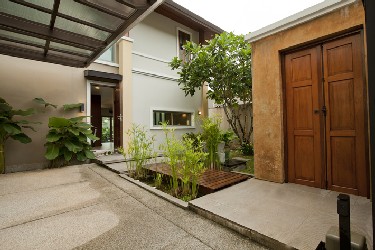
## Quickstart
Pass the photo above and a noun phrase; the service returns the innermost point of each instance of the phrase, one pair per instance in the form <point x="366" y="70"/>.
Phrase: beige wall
<point x="126" y="86"/>
<point x="267" y="84"/>
<point x="21" y="81"/>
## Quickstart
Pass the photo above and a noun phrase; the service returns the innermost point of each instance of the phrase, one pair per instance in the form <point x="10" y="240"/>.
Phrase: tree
<point x="225" y="65"/>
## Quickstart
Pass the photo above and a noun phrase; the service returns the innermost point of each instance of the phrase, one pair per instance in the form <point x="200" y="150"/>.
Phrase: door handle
<point x="120" y="117"/>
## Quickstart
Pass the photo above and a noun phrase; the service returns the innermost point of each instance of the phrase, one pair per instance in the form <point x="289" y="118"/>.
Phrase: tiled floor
<point x="296" y="215"/>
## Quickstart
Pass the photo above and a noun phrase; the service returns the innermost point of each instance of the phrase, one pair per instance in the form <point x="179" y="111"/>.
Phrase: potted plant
<point x="10" y="127"/>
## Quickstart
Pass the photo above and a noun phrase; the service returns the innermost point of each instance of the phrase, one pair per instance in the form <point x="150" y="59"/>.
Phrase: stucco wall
<point x="21" y="81"/>
<point x="154" y="84"/>
<point x="268" y="90"/>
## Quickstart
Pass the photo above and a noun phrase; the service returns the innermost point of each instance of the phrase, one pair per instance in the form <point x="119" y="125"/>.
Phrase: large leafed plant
<point x="11" y="127"/>
<point x="67" y="139"/>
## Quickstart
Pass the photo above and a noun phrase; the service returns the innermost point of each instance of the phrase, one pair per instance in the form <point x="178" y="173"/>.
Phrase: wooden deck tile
<point x="211" y="180"/>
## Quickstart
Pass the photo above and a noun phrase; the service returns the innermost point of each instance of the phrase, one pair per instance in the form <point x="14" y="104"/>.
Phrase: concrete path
<point x="89" y="207"/>
<point x="296" y="215"/>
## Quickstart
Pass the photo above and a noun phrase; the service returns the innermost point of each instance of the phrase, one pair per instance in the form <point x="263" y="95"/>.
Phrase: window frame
<point x="114" y="57"/>
<point x="159" y="127"/>
<point x="178" y="41"/>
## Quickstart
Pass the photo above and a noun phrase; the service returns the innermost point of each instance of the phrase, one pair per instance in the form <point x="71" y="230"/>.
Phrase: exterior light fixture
<point x="97" y="87"/>
<point x="82" y="107"/>
<point x="199" y="112"/>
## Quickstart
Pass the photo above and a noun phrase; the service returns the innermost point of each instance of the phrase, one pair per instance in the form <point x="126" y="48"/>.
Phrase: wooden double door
<point x="326" y="116"/>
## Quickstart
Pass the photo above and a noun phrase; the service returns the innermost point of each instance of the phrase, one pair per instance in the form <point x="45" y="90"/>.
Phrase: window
<point x="183" y="37"/>
<point x="173" y="118"/>
<point x="108" y="55"/>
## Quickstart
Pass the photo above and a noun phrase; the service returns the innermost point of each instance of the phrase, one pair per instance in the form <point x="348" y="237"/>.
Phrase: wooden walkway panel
<point x="211" y="180"/>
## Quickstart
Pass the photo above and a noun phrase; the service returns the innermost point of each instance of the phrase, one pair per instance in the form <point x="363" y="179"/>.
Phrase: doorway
<point x="104" y="112"/>
<point x="326" y="116"/>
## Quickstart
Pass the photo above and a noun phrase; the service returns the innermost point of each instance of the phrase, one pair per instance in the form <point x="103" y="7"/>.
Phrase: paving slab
<point x="97" y="209"/>
<point x="294" y="215"/>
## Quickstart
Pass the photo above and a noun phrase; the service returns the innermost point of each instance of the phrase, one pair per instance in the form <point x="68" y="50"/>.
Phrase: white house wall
<point x="154" y="83"/>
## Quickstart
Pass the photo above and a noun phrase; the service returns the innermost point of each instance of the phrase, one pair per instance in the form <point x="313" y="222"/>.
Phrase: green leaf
<point x="72" y="147"/>
<point x="23" y="138"/>
<point x="81" y="156"/>
<point x="26" y="112"/>
<point x="84" y="125"/>
<point x="72" y="106"/>
<point x="92" y="137"/>
<point x="58" y="122"/>
<point x="89" y="154"/>
<point x="78" y="118"/>
<point x="53" y="137"/>
<point x="52" y="152"/>
<point x="68" y="155"/>
<point x="74" y="131"/>
<point x="12" y="128"/>
<point x="29" y="127"/>
<point x="5" y="107"/>
<point x="43" y="102"/>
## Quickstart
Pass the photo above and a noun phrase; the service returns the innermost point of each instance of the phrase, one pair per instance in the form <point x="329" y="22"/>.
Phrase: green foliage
<point x="173" y="150"/>
<point x="158" y="180"/>
<point x="196" y="138"/>
<point x="72" y="106"/>
<point x="247" y="149"/>
<point x="186" y="159"/>
<point x="225" y="65"/>
<point x="140" y="150"/>
<point x="211" y="135"/>
<point x="192" y="167"/>
<point x="228" y="136"/>
<point x="67" y="139"/>
<point x="10" y="127"/>
<point x="43" y="102"/>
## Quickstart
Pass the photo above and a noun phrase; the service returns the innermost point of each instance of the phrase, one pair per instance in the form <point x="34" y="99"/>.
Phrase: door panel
<point x="327" y="150"/>
<point x="117" y="122"/>
<point x="96" y="118"/>
<point x="345" y="124"/>
<point x="303" y="124"/>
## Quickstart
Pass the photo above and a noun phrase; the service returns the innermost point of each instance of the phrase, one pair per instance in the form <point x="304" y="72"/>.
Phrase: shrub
<point x="139" y="152"/>
<point x="211" y="135"/>
<point x="67" y="139"/>
<point x="247" y="149"/>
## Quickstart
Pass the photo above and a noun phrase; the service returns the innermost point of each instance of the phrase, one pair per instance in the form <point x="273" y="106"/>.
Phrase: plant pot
<point x="2" y="159"/>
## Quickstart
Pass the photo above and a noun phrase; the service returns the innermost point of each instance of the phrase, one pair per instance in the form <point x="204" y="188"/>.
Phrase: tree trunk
<point x="2" y="159"/>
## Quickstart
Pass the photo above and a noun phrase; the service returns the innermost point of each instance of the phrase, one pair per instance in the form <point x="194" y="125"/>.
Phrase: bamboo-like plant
<point x="139" y="152"/>
<point x="10" y="127"/>
<point x="211" y="135"/>
<point x="193" y="167"/>
<point x="173" y="150"/>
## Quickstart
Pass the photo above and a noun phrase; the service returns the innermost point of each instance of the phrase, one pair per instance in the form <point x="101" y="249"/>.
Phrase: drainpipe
<point x="370" y="35"/>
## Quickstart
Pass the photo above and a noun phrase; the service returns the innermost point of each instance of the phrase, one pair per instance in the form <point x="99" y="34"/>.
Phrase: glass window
<point x="183" y="37"/>
<point x="108" y="55"/>
<point x="173" y="118"/>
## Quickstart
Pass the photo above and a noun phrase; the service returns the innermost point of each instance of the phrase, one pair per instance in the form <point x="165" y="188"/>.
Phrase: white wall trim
<point x="126" y="38"/>
<point x="298" y="18"/>
<point x="149" y="57"/>
<point x="154" y="74"/>
<point x="88" y="95"/>
<point x="192" y="112"/>
<point x="112" y="64"/>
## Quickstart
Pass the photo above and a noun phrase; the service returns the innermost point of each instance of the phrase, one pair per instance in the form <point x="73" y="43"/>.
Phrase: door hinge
<point x="324" y="110"/>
